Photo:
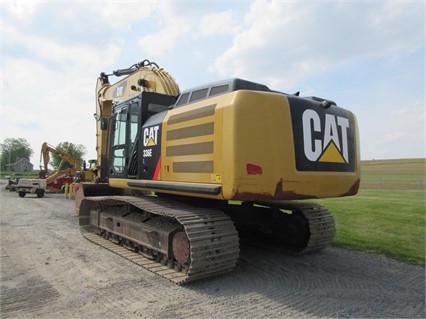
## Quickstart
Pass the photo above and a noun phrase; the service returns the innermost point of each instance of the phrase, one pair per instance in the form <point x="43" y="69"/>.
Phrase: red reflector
<point x="254" y="169"/>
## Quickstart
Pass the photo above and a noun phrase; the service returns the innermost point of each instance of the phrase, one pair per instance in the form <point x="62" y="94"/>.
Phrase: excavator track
<point x="213" y="240"/>
<point x="321" y="224"/>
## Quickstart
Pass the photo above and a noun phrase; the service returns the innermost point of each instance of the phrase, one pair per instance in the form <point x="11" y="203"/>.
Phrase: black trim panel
<point x="209" y="189"/>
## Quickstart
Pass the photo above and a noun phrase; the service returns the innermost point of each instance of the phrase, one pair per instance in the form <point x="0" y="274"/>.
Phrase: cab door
<point x="123" y="139"/>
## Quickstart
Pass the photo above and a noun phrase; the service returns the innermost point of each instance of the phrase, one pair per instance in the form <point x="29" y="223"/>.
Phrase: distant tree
<point x="13" y="149"/>
<point x="75" y="150"/>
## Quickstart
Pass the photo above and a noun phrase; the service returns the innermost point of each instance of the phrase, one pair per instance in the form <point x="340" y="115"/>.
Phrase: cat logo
<point x="150" y="136"/>
<point x="120" y="90"/>
<point x="331" y="144"/>
<point x="324" y="139"/>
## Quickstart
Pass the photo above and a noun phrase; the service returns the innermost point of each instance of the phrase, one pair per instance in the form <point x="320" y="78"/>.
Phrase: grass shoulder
<point x="387" y="222"/>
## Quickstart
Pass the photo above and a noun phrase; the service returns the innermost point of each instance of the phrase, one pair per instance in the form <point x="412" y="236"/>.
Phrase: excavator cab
<point x="135" y="149"/>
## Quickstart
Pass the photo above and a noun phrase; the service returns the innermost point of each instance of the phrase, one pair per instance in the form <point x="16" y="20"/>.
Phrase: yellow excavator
<point x="184" y="176"/>
<point x="55" y="181"/>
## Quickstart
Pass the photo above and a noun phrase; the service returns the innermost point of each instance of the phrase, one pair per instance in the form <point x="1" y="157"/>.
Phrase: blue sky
<point x="368" y="56"/>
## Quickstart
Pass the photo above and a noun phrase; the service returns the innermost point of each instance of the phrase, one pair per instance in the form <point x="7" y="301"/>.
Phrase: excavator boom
<point x="46" y="149"/>
<point x="141" y="77"/>
<point x="55" y="181"/>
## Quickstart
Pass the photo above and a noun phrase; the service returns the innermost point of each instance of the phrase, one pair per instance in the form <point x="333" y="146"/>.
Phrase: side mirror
<point x="104" y="123"/>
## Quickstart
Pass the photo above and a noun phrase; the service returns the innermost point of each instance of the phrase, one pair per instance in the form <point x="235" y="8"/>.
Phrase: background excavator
<point x="183" y="177"/>
<point x="56" y="181"/>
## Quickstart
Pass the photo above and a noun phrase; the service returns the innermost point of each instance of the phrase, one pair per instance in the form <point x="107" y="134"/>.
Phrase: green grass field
<point x="388" y="222"/>
<point x="388" y="215"/>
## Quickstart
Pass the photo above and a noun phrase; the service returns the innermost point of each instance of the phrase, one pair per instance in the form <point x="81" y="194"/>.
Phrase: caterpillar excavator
<point x="183" y="177"/>
<point x="56" y="181"/>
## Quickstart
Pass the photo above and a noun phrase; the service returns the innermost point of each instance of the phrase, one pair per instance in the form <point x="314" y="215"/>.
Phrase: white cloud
<point x="49" y="51"/>
<point x="218" y="24"/>
<point x="312" y="38"/>
<point x="122" y="15"/>
<point x="164" y="41"/>
<point x="172" y="28"/>
<point x="21" y="9"/>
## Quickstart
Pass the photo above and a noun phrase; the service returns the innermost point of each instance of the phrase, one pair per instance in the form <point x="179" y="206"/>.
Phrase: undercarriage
<point x="183" y="242"/>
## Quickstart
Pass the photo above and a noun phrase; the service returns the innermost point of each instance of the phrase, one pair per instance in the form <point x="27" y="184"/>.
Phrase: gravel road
<point x="48" y="270"/>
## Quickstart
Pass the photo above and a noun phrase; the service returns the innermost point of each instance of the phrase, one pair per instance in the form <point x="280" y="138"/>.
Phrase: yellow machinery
<point x="62" y="175"/>
<point x="183" y="176"/>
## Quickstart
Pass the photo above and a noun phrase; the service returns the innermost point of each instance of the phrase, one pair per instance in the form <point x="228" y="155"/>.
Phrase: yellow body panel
<point x="243" y="141"/>
<point x="192" y="143"/>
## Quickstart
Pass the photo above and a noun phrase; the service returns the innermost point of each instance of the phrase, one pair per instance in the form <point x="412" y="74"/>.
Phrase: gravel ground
<point x="48" y="270"/>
